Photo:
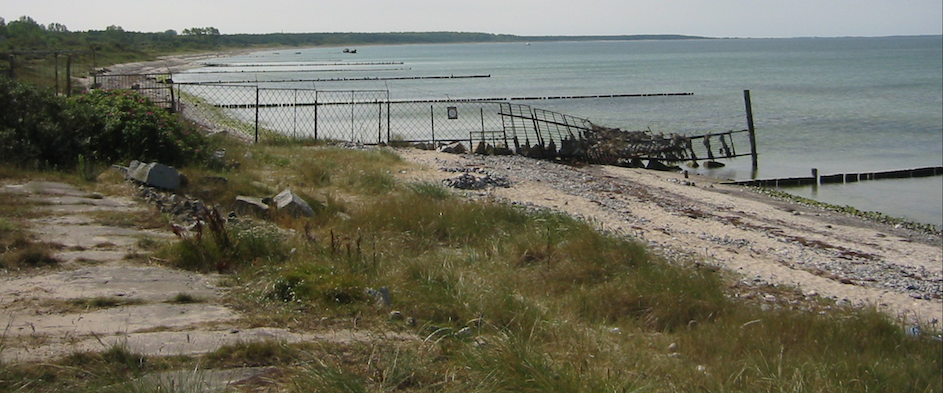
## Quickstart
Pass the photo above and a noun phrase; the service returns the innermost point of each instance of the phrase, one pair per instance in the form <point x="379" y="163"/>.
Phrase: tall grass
<point x="519" y="300"/>
<point x="502" y="298"/>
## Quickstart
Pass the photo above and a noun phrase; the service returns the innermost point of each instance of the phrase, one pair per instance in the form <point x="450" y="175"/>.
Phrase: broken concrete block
<point x="155" y="175"/>
<point x="292" y="203"/>
<point x="246" y="205"/>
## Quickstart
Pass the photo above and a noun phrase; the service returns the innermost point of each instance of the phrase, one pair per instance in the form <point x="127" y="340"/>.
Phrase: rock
<point x="468" y="181"/>
<point x="290" y="202"/>
<point x="453" y="148"/>
<point x="246" y="205"/>
<point x="155" y="175"/>
<point x="396" y="315"/>
<point x="382" y="296"/>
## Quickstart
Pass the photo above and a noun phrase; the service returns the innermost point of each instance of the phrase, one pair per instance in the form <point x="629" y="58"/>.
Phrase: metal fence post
<point x="379" y="122"/>
<point x="432" y="122"/>
<point x="256" y="114"/>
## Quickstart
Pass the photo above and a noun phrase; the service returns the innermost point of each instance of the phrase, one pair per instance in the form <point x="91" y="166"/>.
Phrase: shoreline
<point x="821" y="253"/>
<point x="765" y="241"/>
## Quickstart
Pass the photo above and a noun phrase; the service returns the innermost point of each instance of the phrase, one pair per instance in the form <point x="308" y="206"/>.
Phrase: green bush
<point x="34" y="129"/>
<point x="41" y="130"/>
<point x="124" y="125"/>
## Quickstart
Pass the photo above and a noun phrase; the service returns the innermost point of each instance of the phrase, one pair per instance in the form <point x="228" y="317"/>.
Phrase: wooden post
<point x="750" y="128"/>
<point x="68" y="76"/>
<point x="56" y="57"/>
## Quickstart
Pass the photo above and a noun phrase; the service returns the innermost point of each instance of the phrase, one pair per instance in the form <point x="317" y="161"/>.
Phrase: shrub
<point x="34" y="129"/>
<point x="122" y="124"/>
<point x="40" y="129"/>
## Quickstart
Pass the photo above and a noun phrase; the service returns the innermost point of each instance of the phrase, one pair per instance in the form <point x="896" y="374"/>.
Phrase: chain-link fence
<point x="370" y="117"/>
<point x="361" y="116"/>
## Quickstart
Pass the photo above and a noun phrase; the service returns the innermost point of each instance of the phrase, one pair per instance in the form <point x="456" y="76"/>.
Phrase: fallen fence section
<point x="842" y="178"/>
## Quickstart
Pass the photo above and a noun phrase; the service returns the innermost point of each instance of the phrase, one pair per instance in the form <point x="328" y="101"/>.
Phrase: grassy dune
<point x="497" y="298"/>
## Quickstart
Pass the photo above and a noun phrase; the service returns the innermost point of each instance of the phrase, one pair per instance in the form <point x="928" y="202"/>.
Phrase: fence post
<point x="68" y="76"/>
<point x="388" y="131"/>
<point x="56" y="61"/>
<point x="750" y="128"/>
<point x="379" y="122"/>
<point x="256" y="114"/>
<point x="315" y="115"/>
<point x="432" y="122"/>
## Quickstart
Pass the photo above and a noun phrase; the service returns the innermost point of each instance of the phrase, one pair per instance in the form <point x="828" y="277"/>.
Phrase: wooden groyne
<point x="841" y="178"/>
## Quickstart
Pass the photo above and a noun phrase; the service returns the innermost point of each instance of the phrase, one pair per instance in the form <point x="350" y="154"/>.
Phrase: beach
<point x="761" y="240"/>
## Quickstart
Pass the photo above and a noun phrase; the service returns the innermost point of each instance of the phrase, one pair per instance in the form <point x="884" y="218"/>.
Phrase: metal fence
<point x="371" y="117"/>
<point x="362" y="116"/>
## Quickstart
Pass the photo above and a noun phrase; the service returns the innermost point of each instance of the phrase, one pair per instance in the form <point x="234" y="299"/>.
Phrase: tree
<point x="201" y="31"/>
<point x="57" y="28"/>
<point x="26" y="33"/>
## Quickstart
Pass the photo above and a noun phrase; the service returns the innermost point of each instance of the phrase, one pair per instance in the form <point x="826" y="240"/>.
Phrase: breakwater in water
<point x="816" y="179"/>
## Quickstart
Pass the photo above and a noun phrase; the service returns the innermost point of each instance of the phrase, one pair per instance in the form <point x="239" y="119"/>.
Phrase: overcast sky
<point x="713" y="18"/>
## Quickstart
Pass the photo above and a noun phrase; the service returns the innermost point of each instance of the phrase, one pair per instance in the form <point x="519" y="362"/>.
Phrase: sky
<point x="711" y="18"/>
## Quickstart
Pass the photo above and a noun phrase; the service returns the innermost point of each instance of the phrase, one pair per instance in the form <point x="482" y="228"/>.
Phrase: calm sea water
<point x="836" y="104"/>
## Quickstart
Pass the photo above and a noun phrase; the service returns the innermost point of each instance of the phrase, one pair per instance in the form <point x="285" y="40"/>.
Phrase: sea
<point x="840" y="105"/>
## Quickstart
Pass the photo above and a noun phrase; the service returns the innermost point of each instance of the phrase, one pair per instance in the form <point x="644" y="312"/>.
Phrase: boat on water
<point x="348" y="50"/>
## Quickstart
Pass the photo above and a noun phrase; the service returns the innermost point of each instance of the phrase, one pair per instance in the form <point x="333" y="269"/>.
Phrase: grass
<point x="18" y="248"/>
<point x="498" y="298"/>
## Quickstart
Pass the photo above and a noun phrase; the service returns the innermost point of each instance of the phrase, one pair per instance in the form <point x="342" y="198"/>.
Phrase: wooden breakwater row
<point x="815" y="179"/>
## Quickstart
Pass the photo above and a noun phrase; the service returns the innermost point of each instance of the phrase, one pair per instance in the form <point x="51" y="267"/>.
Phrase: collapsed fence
<point x="370" y="117"/>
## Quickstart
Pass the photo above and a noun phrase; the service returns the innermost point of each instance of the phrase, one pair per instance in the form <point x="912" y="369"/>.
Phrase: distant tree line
<point x="26" y="34"/>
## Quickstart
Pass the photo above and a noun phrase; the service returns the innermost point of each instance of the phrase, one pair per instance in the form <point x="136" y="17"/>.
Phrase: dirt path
<point x="766" y="241"/>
